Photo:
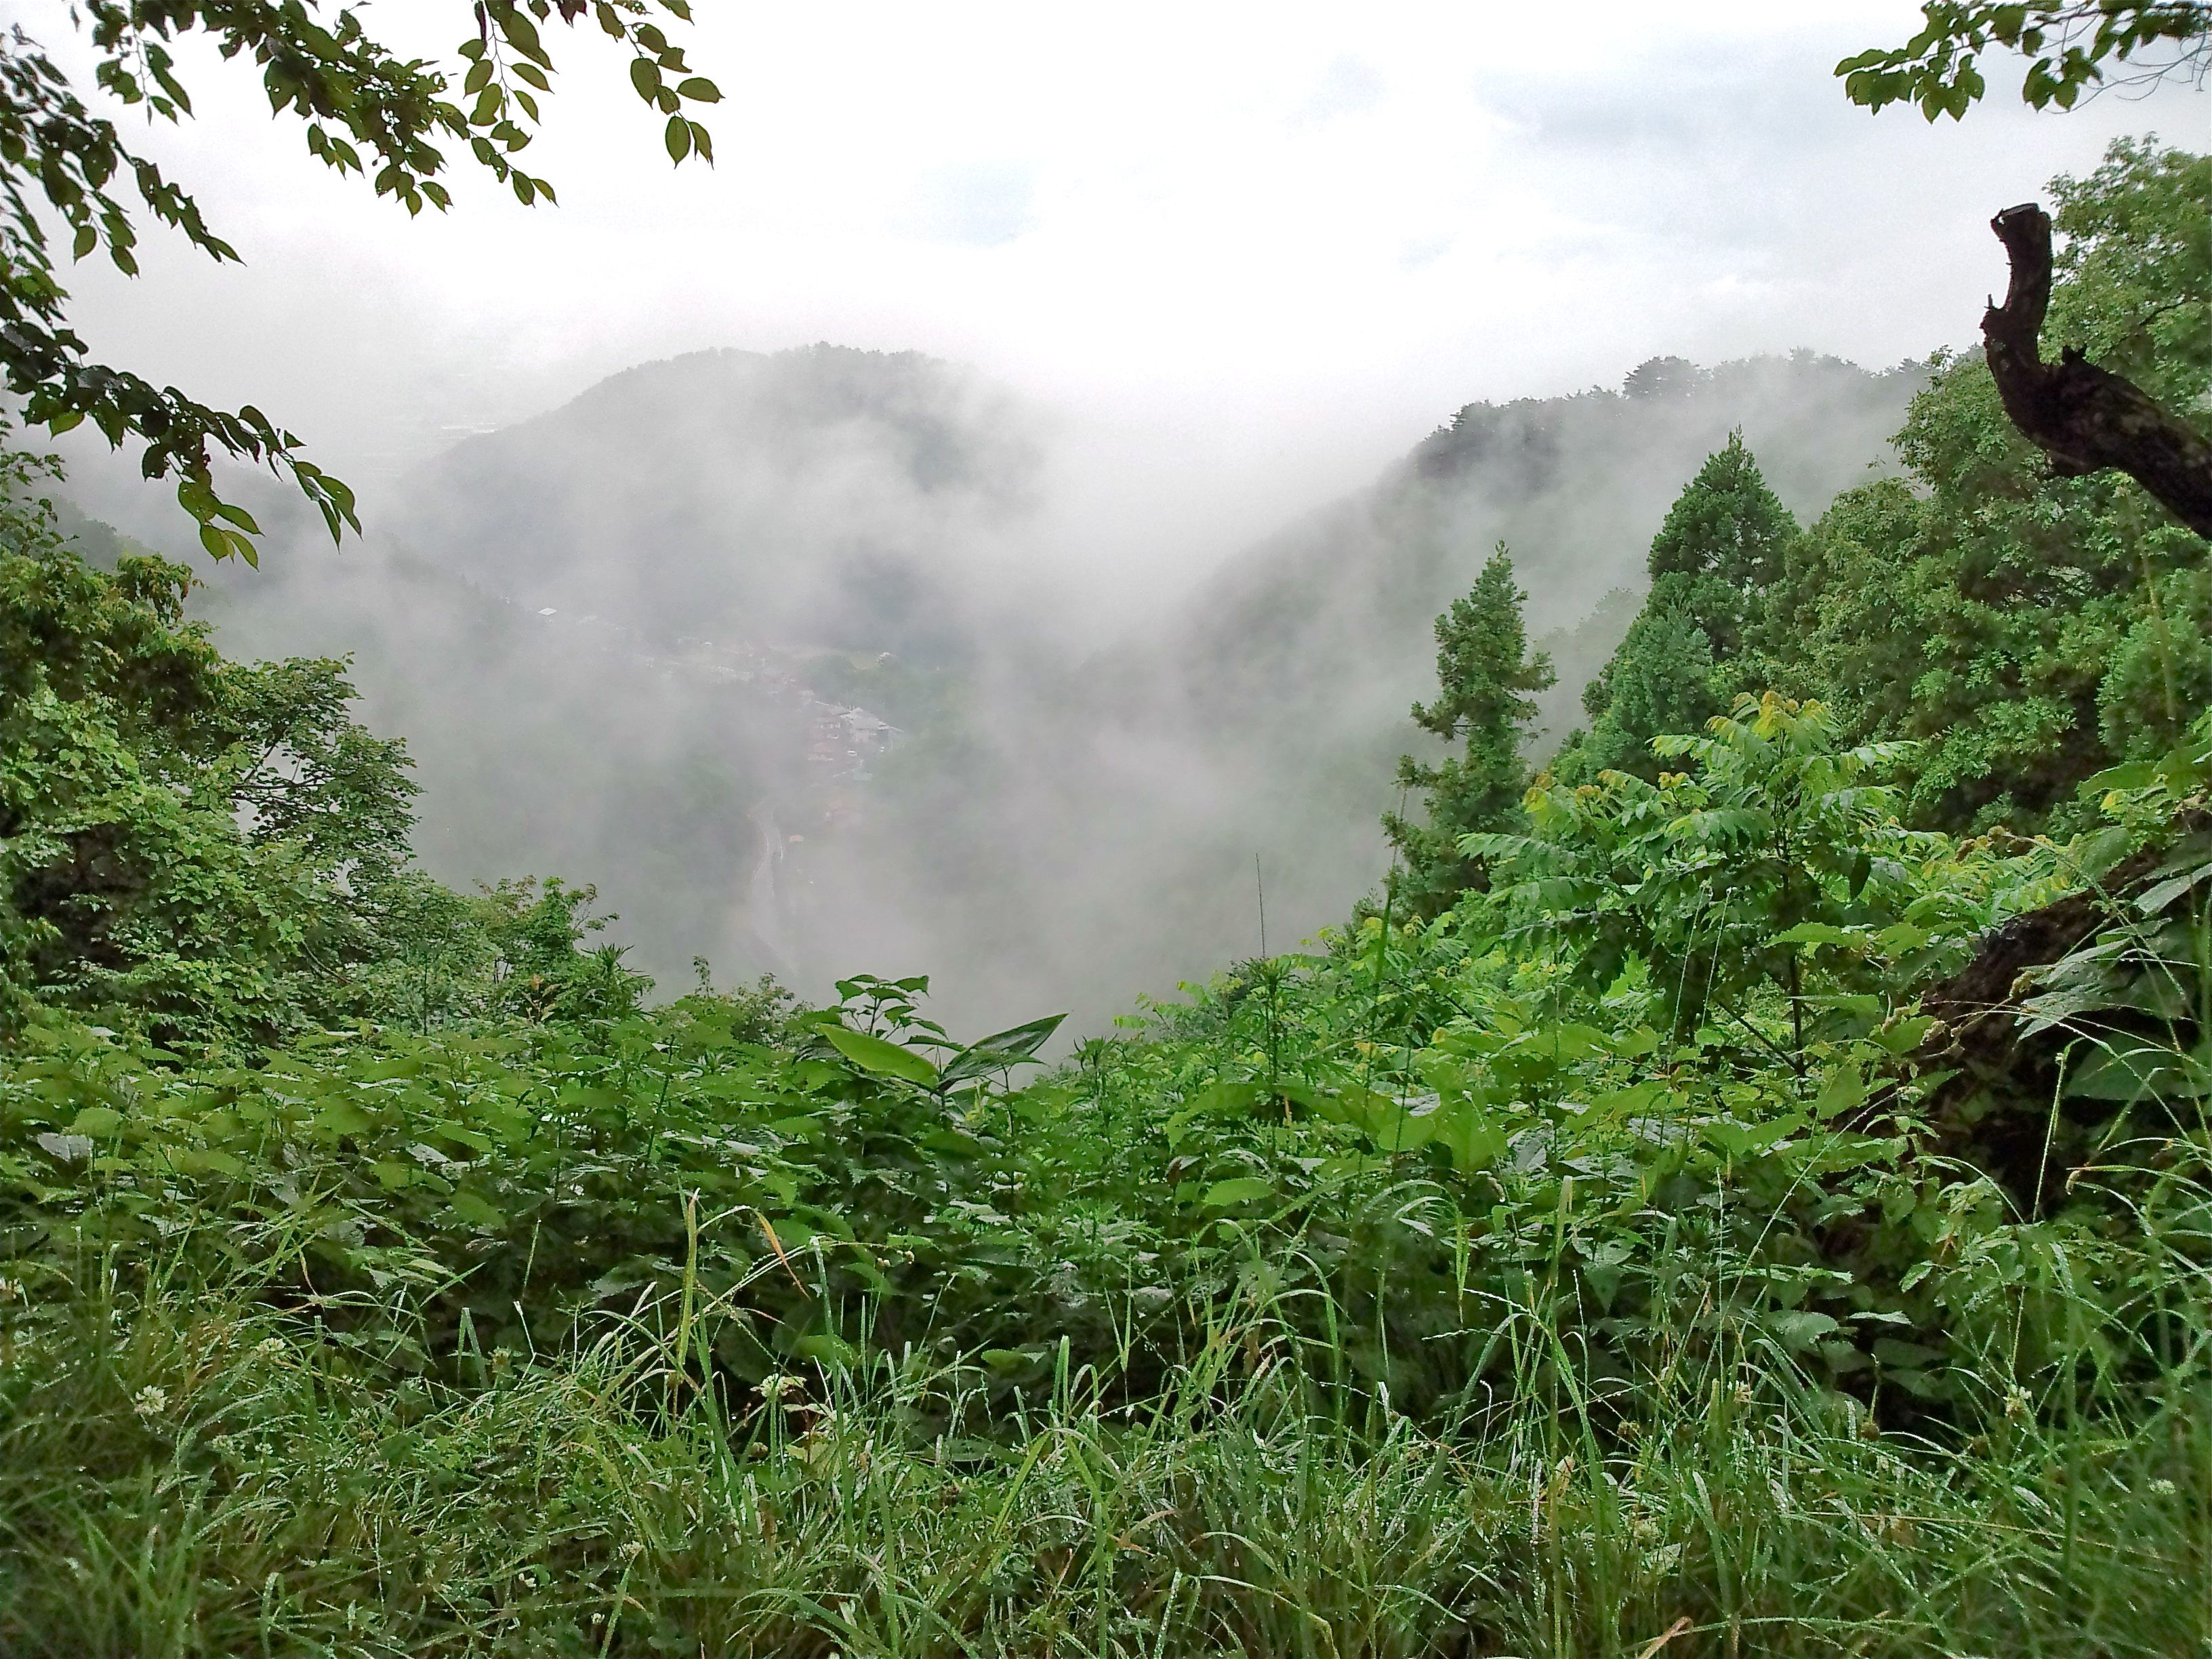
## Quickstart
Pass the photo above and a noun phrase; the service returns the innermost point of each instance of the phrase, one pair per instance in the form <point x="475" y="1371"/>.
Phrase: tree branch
<point x="2084" y="417"/>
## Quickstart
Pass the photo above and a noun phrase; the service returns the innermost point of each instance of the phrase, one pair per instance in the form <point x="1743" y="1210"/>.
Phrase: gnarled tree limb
<point x="2084" y="417"/>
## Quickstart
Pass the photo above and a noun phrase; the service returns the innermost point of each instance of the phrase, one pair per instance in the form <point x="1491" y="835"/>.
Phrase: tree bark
<point x="2084" y="417"/>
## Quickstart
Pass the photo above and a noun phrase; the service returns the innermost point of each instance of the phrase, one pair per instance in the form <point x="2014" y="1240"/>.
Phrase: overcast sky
<point x="1257" y="248"/>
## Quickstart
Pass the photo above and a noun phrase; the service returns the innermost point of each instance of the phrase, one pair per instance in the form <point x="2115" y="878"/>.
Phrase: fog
<point x="1178" y="371"/>
<point x="775" y="649"/>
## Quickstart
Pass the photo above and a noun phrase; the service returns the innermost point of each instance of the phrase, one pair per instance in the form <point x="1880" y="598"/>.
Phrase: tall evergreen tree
<point x="1723" y="543"/>
<point x="1486" y="677"/>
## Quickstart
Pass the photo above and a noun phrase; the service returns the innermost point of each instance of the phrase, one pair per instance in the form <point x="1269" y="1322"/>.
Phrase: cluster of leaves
<point x="2069" y="45"/>
<point x="364" y="108"/>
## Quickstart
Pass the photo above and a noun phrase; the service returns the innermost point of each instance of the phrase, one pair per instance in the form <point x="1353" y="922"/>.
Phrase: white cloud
<point x="1265" y="245"/>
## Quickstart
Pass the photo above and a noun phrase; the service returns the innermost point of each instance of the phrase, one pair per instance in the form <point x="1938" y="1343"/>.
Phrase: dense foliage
<point x="1765" y="1207"/>
<point x="2024" y="629"/>
<point x="1618" y="1247"/>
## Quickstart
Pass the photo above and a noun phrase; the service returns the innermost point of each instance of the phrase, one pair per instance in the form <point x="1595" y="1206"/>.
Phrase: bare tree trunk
<point x="2084" y="417"/>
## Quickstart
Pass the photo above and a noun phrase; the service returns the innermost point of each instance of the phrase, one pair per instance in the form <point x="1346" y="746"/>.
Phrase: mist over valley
<point x="781" y="653"/>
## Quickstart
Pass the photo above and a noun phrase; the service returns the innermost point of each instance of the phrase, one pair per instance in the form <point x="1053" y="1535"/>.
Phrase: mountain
<point x="1145" y="813"/>
<point x="815" y="496"/>
<point x="645" y="634"/>
<point x="1325" y="627"/>
<point x="715" y="633"/>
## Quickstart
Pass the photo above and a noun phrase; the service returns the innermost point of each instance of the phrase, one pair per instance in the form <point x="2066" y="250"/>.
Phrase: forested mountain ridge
<point x="807" y="496"/>
<point x="1328" y="618"/>
<point x="1260" y="722"/>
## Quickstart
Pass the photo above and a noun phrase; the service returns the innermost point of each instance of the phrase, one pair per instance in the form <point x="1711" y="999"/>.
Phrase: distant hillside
<point x="530" y="613"/>
<point x="810" y="497"/>
<point x="533" y="613"/>
<point x="1111" y="831"/>
<point x="1329" y="620"/>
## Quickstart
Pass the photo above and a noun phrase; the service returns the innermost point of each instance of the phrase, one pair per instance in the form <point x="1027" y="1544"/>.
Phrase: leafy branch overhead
<point x="394" y="120"/>
<point x="2073" y="47"/>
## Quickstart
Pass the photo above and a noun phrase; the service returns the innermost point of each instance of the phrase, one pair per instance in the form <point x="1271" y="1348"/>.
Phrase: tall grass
<point x="185" y="1471"/>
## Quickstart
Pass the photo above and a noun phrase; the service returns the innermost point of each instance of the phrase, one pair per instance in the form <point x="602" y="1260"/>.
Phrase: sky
<point x="1238" y="255"/>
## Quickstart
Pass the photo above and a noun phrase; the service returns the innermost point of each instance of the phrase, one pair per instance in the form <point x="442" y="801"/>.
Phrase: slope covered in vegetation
<point x="1767" y="1209"/>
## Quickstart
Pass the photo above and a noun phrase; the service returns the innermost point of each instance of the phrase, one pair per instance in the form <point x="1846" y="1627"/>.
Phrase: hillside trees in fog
<point x="1720" y="547"/>
<point x="2027" y="628"/>
<point x="1487" y="679"/>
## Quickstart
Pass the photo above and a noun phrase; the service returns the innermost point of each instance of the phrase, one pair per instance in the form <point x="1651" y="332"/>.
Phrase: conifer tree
<point x="1722" y="545"/>
<point x="1487" y="679"/>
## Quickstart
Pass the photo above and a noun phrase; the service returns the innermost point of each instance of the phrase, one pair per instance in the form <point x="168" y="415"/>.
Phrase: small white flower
<point x="150" y="1401"/>
<point x="2163" y="1488"/>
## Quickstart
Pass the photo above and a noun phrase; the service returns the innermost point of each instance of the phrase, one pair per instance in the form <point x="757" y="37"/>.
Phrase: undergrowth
<point x="1660" y="1251"/>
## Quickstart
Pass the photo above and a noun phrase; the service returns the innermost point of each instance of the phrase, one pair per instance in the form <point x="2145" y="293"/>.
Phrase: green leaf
<point x="1800" y="1330"/>
<point x="475" y="1209"/>
<point x="677" y="136"/>
<point x="1474" y="1139"/>
<point x="1818" y="932"/>
<point x="644" y="75"/>
<point x="96" y="1121"/>
<point x="2128" y="1069"/>
<point x="699" y="90"/>
<point x="831" y="1352"/>
<point x="2156" y="898"/>
<point x="1745" y="1139"/>
<point x="1243" y="1189"/>
<point x="996" y="1052"/>
<point x="873" y="1054"/>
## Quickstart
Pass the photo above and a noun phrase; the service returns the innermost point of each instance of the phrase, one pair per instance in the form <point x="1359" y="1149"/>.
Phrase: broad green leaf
<point x="1802" y="1329"/>
<point x="1745" y="1139"/>
<point x="1475" y="1139"/>
<point x="1241" y="1189"/>
<point x="1819" y="933"/>
<point x="474" y="1208"/>
<point x="1001" y="1050"/>
<point x="873" y="1054"/>
<point x="832" y="1353"/>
